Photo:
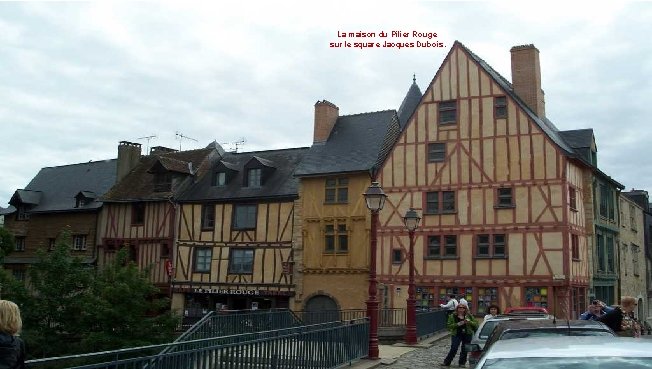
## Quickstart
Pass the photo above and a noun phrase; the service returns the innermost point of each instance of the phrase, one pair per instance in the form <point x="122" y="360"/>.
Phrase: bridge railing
<point x="429" y="322"/>
<point x="327" y="345"/>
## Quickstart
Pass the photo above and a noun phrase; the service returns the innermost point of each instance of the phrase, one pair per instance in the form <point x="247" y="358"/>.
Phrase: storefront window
<point x="536" y="296"/>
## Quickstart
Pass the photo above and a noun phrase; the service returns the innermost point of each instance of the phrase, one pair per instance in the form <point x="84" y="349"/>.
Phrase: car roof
<point x="550" y="323"/>
<point x="570" y="346"/>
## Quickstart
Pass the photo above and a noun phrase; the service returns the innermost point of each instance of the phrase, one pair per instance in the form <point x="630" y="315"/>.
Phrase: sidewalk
<point x="390" y="353"/>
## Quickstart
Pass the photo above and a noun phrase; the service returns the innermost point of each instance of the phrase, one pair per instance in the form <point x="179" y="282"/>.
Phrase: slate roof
<point x="357" y="143"/>
<point x="54" y="189"/>
<point x="544" y="123"/>
<point x="174" y="165"/>
<point x="280" y="183"/>
<point x="578" y="138"/>
<point x="138" y="185"/>
<point x="409" y="104"/>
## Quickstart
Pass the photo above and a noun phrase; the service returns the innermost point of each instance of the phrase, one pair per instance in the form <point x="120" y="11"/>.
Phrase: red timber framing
<point x="149" y="244"/>
<point x="483" y="156"/>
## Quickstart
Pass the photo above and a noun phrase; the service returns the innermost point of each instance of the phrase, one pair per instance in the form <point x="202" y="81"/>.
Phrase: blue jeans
<point x="456" y="340"/>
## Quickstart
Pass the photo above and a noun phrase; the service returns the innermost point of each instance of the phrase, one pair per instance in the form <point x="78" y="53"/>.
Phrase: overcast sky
<point x="77" y="78"/>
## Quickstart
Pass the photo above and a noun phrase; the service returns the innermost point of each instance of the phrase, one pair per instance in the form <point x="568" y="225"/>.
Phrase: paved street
<point x="423" y="357"/>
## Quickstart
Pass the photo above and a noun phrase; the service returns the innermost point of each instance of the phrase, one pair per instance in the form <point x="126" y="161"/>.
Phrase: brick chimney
<point x="128" y="158"/>
<point x="326" y="114"/>
<point x="526" y="77"/>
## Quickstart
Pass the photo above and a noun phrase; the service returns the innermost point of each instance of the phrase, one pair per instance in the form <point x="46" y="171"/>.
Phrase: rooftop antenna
<point x="148" y="138"/>
<point x="181" y="137"/>
<point x="236" y="144"/>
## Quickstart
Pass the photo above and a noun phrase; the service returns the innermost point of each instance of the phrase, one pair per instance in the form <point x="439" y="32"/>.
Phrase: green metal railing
<point x="386" y="317"/>
<point x="429" y="322"/>
<point x="328" y="345"/>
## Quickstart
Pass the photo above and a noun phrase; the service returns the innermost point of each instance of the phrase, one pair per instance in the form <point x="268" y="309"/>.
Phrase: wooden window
<point x="440" y="202"/>
<point x="336" y="238"/>
<point x="536" y="296"/>
<point x="241" y="261"/>
<point x="165" y="250"/>
<point x="19" y="243"/>
<point x="505" y="197"/>
<point x="52" y="244"/>
<point x="244" y="217"/>
<point x="572" y="198"/>
<point x="219" y="179"/>
<point x="487" y="296"/>
<point x="337" y="190"/>
<point x="79" y="242"/>
<point x="397" y="256"/>
<point x="605" y="294"/>
<point x="610" y="254"/>
<point x="500" y="107"/>
<point x="491" y="246"/>
<point x="163" y="182"/>
<point x="635" y="257"/>
<point x="575" y="246"/>
<point x="444" y="246"/>
<point x="138" y="213"/>
<point x="448" y="112"/>
<point x="436" y="152"/>
<point x="19" y="274"/>
<point x="208" y="216"/>
<point x="600" y="249"/>
<point x="203" y="259"/>
<point x="632" y="217"/>
<point x="254" y="177"/>
<point x="22" y="213"/>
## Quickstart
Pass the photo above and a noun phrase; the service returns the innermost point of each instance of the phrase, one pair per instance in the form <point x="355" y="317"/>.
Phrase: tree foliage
<point x="73" y="308"/>
<point x="7" y="243"/>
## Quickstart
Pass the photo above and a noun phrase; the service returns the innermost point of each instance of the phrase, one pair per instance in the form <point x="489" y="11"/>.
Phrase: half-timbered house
<point x="332" y="252"/>
<point x="500" y="191"/>
<point x="140" y="213"/>
<point x="64" y="198"/>
<point x="235" y="234"/>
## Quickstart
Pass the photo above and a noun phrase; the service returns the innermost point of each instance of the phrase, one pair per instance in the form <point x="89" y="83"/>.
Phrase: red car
<point x="525" y="310"/>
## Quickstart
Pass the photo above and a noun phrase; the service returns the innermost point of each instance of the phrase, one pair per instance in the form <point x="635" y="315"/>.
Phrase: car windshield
<point x="487" y="328"/>
<point x="509" y="335"/>
<point x="570" y="363"/>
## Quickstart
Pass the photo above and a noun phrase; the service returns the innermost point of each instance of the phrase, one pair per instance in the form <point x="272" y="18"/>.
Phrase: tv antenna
<point x="236" y="145"/>
<point x="148" y="138"/>
<point x="180" y="136"/>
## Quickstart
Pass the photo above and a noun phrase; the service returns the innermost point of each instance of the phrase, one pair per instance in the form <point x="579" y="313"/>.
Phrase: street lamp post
<point x="411" y="221"/>
<point x="375" y="199"/>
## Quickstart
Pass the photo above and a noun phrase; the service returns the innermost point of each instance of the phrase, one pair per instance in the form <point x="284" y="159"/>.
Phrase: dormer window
<point x="254" y="177"/>
<point x="22" y="213"/>
<point x="163" y="182"/>
<point x="219" y="179"/>
<point x="84" y="198"/>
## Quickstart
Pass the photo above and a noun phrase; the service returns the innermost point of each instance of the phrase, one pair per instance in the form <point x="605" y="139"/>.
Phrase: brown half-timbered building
<point x="499" y="190"/>
<point x="235" y="235"/>
<point x="140" y="211"/>
<point x="332" y="251"/>
<point x="64" y="198"/>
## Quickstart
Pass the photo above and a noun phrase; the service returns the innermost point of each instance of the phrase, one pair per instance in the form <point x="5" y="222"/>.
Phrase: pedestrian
<point x="595" y="310"/>
<point x="461" y="326"/>
<point x="450" y="304"/>
<point x="462" y="300"/>
<point x="493" y="311"/>
<point x="12" y="348"/>
<point x="620" y="320"/>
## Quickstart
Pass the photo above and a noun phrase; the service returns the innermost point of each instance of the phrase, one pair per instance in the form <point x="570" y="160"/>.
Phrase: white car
<point x="569" y="352"/>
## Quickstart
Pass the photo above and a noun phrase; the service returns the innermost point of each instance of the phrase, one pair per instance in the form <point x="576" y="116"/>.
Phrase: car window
<point x="510" y="335"/>
<point x="570" y="363"/>
<point x="487" y="328"/>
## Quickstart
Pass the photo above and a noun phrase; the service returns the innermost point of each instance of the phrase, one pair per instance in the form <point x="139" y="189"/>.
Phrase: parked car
<point x="511" y="329"/>
<point x="487" y="326"/>
<point x="525" y="310"/>
<point x="568" y="352"/>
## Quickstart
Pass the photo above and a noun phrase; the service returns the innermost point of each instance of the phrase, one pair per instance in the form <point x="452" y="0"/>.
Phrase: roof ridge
<point x="269" y="150"/>
<point x="369" y="112"/>
<point x="84" y="163"/>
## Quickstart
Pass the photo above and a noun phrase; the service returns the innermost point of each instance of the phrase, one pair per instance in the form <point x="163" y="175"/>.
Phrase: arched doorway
<point x="320" y="309"/>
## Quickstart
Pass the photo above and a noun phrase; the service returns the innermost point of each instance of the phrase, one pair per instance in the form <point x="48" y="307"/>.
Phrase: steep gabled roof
<point x="139" y="184"/>
<point x="578" y="138"/>
<point x="357" y="143"/>
<point x="280" y="182"/>
<point x="546" y="125"/>
<point x="54" y="188"/>
<point x="409" y="104"/>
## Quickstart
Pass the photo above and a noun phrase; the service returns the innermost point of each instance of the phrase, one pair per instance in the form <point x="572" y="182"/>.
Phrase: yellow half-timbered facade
<point x="499" y="190"/>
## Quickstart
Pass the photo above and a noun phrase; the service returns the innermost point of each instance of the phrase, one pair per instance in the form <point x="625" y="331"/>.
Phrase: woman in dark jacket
<point x="12" y="348"/>
<point x="619" y="319"/>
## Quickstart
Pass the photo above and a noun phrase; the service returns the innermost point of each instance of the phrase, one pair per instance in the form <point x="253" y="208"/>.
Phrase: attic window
<point x="163" y="182"/>
<point x="254" y="177"/>
<point x="500" y="107"/>
<point x="22" y="213"/>
<point x="448" y="112"/>
<point x="219" y="179"/>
